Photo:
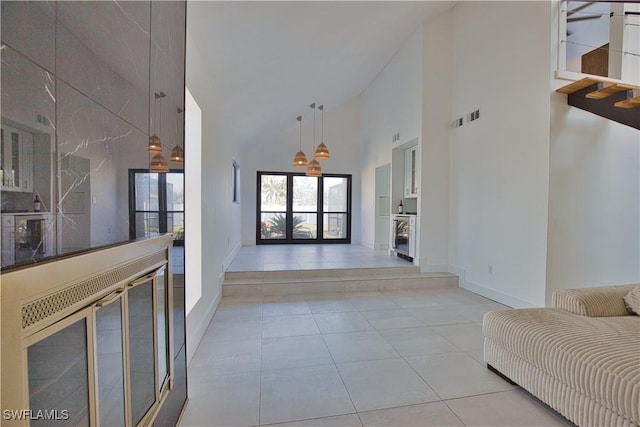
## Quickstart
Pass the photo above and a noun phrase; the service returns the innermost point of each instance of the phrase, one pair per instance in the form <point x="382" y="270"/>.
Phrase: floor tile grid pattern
<point x="385" y="357"/>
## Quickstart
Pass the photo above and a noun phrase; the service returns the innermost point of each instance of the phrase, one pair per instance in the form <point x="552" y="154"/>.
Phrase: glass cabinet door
<point x="110" y="362"/>
<point x="58" y="376"/>
<point x="163" y="328"/>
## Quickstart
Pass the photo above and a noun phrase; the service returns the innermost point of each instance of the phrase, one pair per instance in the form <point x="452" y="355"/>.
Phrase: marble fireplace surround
<point x="43" y="296"/>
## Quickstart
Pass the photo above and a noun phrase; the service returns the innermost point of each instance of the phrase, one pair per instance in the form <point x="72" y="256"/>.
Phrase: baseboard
<point x="486" y="292"/>
<point x="368" y="245"/>
<point x="227" y="262"/>
<point x="381" y="247"/>
<point x="248" y="242"/>
<point x="201" y="328"/>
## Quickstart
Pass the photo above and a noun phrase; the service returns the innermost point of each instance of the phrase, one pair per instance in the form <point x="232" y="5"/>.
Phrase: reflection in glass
<point x="141" y="353"/>
<point x="273" y="192"/>
<point x="334" y="226"/>
<point x="110" y="364"/>
<point x="58" y="376"/>
<point x="335" y="194"/>
<point x="305" y="194"/>
<point x="146" y="191"/>
<point x="175" y="191"/>
<point x="147" y="224"/>
<point x="305" y="225"/>
<point x="175" y="225"/>
<point x="163" y="329"/>
<point x="273" y="226"/>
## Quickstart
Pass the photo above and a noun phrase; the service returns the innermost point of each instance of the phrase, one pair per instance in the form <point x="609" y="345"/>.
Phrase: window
<point x="295" y="208"/>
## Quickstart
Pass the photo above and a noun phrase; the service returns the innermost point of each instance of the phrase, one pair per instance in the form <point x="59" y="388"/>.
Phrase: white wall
<point x="500" y="163"/>
<point x="436" y="143"/>
<point x="342" y="136"/>
<point x="391" y="104"/>
<point x="594" y="199"/>
<point x="221" y="233"/>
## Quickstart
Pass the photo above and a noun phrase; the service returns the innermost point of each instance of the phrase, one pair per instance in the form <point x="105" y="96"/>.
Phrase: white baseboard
<point x="248" y="242"/>
<point x="381" y="246"/>
<point x="368" y="245"/>
<point x="193" y="339"/>
<point x="230" y="257"/>
<point x="486" y="292"/>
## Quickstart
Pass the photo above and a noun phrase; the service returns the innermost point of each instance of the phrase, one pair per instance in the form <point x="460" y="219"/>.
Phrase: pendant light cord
<point x="313" y="143"/>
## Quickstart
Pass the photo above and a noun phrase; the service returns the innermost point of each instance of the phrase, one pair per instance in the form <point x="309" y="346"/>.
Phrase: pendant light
<point x="300" y="159"/>
<point x="158" y="163"/>
<point x="313" y="168"/>
<point x="322" y="151"/>
<point x="155" y="145"/>
<point x="177" y="153"/>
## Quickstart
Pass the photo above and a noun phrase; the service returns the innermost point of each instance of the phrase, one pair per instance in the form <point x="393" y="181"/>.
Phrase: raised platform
<point x="317" y="281"/>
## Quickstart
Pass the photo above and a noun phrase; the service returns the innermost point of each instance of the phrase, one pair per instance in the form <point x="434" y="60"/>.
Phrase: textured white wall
<point x="500" y="163"/>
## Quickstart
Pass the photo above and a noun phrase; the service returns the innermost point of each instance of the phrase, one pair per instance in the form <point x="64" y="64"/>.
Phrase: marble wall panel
<point x="91" y="142"/>
<point x="29" y="27"/>
<point x="102" y="50"/>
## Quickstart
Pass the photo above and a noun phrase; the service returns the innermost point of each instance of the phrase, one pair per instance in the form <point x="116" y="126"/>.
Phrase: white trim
<point x="227" y="262"/>
<point x="486" y="292"/>
<point x="573" y="76"/>
<point x="201" y="328"/>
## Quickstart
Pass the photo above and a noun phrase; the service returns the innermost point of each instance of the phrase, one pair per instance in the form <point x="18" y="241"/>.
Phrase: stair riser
<point x="605" y="107"/>
<point x="287" y="275"/>
<point x="319" y="287"/>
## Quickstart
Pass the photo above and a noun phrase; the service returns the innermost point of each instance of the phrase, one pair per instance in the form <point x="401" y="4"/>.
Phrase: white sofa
<point x="581" y="357"/>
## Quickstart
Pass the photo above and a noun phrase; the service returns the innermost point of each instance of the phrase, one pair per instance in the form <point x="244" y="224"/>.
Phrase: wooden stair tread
<point x="629" y="102"/>
<point x="608" y="91"/>
<point x="577" y="85"/>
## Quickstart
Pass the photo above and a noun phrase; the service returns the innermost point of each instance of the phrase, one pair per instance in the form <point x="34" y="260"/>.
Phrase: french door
<point x="295" y="208"/>
<point x="156" y="204"/>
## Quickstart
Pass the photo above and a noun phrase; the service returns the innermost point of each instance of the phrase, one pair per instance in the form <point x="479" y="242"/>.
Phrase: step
<point x="607" y="90"/>
<point x="296" y="282"/>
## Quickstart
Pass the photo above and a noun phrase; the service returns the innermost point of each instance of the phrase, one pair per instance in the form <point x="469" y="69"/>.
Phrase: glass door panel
<point x="58" y="381"/>
<point x="273" y="206"/>
<point x="305" y="207"/>
<point x="163" y="328"/>
<point x="335" y="206"/>
<point x="174" y="205"/>
<point x="141" y="351"/>
<point x="110" y="364"/>
<point x="334" y="226"/>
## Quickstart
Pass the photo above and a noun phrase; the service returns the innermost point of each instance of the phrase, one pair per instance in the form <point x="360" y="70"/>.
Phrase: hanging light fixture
<point x="300" y="159"/>
<point x="177" y="153"/>
<point x="322" y="151"/>
<point x="313" y="168"/>
<point x="155" y="145"/>
<point x="158" y="163"/>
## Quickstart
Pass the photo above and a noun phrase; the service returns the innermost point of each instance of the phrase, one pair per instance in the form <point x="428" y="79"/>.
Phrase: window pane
<point x="146" y="191"/>
<point x="305" y="194"/>
<point x="147" y="224"/>
<point x="335" y="194"/>
<point x="175" y="225"/>
<point x="273" y="192"/>
<point x="335" y="226"/>
<point x="175" y="192"/>
<point x="305" y="226"/>
<point x="273" y="226"/>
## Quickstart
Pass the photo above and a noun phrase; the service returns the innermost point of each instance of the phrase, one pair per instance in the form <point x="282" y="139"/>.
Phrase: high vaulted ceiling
<point x="270" y="60"/>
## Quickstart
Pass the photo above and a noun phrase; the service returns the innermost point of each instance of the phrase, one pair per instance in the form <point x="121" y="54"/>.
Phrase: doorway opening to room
<point x="156" y="204"/>
<point x="295" y="208"/>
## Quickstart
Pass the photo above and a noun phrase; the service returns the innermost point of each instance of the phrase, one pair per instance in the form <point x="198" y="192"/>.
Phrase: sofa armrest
<point x="601" y="301"/>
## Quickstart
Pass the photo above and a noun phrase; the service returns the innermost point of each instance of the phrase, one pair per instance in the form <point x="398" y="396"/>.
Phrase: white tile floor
<point x="308" y="257"/>
<point x="398" y="358"/>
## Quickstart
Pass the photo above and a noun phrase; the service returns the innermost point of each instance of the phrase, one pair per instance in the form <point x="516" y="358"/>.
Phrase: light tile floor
<point x="362" y="359"/>
<point x="309" y="257"/>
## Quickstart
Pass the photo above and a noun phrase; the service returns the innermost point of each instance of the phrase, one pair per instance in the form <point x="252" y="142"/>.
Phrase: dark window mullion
<point x="162" y="202"/>
<point x="289" y="213"/>
<point x="319" y="209"/>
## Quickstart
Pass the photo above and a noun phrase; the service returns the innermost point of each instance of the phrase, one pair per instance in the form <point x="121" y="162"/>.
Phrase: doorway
<point x="156" y="204"/>
<point x="295" y="208"/>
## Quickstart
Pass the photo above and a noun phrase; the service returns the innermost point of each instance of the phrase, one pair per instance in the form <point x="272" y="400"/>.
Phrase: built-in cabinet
<point x="16" y="159"/>
<point x="410" y="172"/>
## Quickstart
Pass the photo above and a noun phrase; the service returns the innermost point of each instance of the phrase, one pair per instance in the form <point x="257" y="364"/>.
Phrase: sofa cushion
<point x="601" y="301"/>
<point x="597" y="357"/>
<point x="632" y="300"/>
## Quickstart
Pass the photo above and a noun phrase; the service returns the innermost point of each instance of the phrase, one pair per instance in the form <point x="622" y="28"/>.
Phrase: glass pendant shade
<point x="155" y="146"/>
<point x="313" y="168"/>
<point x="177" y="154"/>
<point x="322" y="152"/>
<point x="158" y="164"/>
<point x="300" y="160"/>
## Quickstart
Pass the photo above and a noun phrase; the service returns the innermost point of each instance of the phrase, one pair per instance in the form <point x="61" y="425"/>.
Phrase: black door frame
<point x="162" y="203"/>
<point x="289" y="211"/>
